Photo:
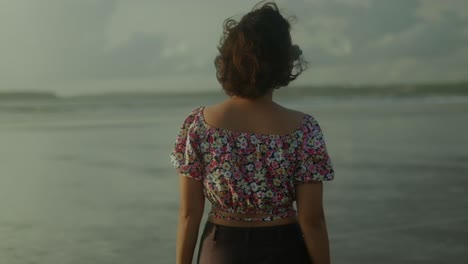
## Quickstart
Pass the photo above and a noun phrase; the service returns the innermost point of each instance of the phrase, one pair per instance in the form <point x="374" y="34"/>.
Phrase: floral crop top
<point x="251" y="173"/>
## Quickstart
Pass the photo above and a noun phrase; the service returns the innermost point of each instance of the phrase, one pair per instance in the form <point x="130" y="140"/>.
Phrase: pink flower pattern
<point x="251" y="173"/>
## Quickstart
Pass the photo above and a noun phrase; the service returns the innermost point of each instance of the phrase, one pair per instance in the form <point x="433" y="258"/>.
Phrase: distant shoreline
<point x="28" y="95"/>
<point x="455" y="88"/>
<point x="447" y="88"/>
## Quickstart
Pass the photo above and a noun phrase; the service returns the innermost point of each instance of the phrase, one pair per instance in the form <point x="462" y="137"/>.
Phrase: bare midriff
<point x="245" y="223"/>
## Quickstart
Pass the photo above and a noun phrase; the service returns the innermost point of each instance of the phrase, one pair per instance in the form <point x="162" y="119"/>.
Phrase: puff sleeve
<point x="185" y="156"/>
<point x="314" y="163"/>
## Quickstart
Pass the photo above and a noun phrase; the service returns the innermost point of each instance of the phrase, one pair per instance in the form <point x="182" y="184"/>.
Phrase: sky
<point x="93" y="46"/>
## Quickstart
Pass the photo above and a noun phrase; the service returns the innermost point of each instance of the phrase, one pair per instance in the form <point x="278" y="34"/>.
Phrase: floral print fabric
<point x="251" y="173"/>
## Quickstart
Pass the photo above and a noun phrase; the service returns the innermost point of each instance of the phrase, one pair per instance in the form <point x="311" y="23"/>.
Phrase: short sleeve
<point x="314" y="163"/>
<point x="186" y="157"/>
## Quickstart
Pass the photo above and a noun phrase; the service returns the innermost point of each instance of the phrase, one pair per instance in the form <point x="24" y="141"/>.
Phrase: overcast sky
<point x="82" y="46"/>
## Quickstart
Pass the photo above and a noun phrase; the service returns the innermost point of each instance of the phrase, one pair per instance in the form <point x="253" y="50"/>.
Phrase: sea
<point x="88" y="179"/>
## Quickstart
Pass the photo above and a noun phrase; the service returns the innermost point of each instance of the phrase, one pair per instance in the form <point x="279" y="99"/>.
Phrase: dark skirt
<point x="221" y="244"/>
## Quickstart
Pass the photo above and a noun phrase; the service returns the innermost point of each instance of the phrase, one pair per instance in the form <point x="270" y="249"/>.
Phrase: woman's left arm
<point x="192" y="203"/>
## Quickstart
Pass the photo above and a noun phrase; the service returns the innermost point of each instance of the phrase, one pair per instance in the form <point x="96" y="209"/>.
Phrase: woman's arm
<point x="192" y="202"/>
<point x="312" y="221"/>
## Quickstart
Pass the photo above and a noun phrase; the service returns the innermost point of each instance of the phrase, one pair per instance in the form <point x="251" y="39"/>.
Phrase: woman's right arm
<point x="309" y="200"/>
<point x="192" y="202"/>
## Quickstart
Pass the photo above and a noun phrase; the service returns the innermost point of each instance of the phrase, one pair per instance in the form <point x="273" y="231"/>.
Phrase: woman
<point x="252" y="158"/>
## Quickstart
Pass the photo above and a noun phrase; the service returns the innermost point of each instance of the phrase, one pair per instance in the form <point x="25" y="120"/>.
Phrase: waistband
<point x="262" y="234"/>
<point x="220" y="214"/>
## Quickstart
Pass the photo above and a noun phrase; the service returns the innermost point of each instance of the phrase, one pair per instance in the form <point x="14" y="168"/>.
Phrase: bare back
<point x="260" y="118"/>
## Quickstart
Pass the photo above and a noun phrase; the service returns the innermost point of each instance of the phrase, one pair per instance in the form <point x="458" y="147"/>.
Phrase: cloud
<point x="420" y="40"/>
<point x="398" y="70"/>
<point x="436" y="10"/>
<point x="327" y="33"/>
<point x="381" y="41"/>
<point x="87" y="45"/>
<point x="346" y="3"/>
<point x="56" y="43"/>
<point x="42" y="39"/>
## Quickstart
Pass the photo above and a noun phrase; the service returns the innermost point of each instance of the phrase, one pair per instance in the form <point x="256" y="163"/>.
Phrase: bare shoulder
<point x="215" y="107"/>
<point x="292" y="114"/>
<point x="214" y="111"/>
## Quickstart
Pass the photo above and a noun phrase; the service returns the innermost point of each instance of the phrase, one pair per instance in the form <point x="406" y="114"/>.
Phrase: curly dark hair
<point x="256" y="54"/>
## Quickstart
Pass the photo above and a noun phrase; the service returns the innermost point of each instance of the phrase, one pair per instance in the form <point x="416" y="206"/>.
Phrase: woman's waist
<point x="252" y="218"/>
<point x="256" y="233"/>
<point x="252" y="210"/>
